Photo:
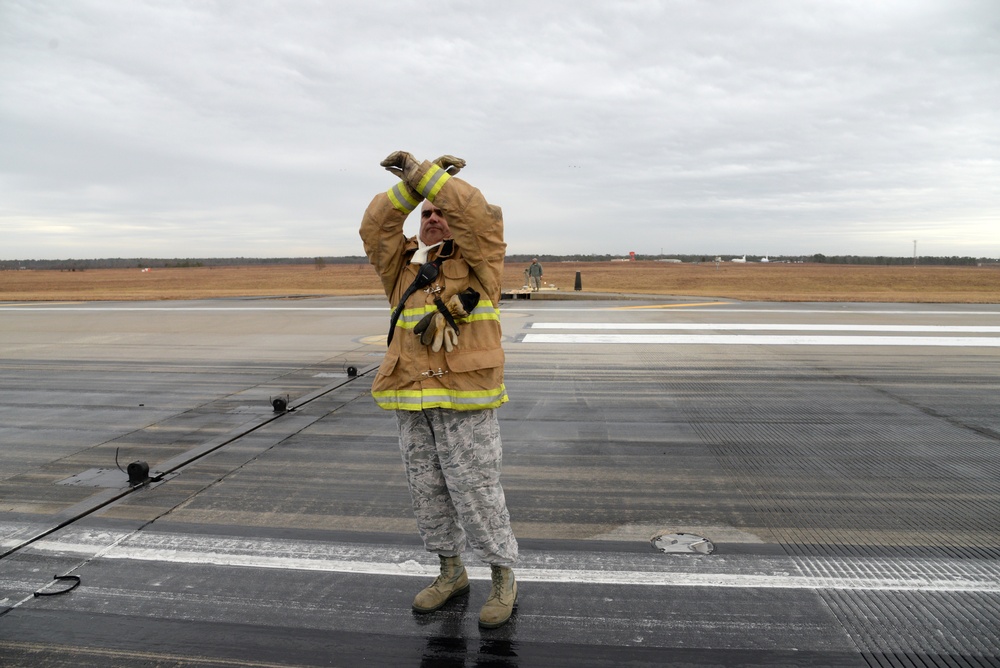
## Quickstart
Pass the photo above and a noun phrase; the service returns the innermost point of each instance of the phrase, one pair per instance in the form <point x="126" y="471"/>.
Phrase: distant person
<point x="535" y="275"/>
<point x="443" y="371"/>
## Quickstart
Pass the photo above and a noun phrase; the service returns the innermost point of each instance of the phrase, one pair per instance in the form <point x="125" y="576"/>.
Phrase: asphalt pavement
<point x="692" y="482"/>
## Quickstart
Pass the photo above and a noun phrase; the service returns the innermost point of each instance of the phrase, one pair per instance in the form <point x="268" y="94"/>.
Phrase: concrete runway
<point x="843" y="460"/>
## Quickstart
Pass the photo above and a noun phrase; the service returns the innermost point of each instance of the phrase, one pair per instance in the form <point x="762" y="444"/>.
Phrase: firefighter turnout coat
<point x="412" y="376"/>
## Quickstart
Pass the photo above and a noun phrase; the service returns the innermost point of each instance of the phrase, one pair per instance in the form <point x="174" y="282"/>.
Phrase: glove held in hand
<point x="439" y="329"/>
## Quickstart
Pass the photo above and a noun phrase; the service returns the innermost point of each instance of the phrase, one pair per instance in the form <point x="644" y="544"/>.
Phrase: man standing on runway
<point x="443" y="372"/>
<point x="535" y="275"/>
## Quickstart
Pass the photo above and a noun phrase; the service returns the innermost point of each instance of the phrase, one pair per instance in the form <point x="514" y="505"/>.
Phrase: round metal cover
<point x="683" y="543"/>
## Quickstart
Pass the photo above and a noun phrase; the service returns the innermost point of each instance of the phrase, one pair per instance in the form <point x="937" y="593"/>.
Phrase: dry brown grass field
<point x="749" y="282"/>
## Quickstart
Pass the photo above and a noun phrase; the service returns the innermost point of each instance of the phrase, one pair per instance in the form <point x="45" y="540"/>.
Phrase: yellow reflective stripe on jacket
<point x="432" y="182"/>
<point x="402" y="198"/>
<point x="484" y="310"/>
<point x="409" y="318"/>
<point x="438" y="397"/>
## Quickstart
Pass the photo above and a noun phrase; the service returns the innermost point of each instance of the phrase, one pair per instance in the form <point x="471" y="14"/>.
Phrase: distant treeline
<point x="319" y="262"/>
<point x="817" y="257"/>
<point x="160" y="263"/>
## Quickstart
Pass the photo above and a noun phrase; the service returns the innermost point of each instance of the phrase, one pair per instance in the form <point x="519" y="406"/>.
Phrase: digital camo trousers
<point x="452" y="461"/>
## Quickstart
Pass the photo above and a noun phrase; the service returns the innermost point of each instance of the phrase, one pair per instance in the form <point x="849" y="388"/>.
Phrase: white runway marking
<point x="654" y="570"/>
<point x="791" y="310"/>
<point x="35" y="307"/>
<point x="781" y="327"/>
<point x="29" y="308"/>
<point x="764" y="340"/>
<point x="574" y="335"/>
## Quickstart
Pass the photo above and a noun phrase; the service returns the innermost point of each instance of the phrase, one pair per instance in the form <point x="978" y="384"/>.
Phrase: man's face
<point x="433" y="226"/>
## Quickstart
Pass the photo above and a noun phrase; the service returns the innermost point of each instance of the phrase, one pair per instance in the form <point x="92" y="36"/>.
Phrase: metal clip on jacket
<point x="430" y="373"/>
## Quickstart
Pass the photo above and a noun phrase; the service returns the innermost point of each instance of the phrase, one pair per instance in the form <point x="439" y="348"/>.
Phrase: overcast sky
<point x="255" y="128"/>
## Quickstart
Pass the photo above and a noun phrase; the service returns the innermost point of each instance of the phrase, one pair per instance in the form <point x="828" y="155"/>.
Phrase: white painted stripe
<point x="685" y="326"/>
<point x="789" y="311"/>
<point x="792" y="310"/>
<point x="355" y="559"/>
<point x="47" y="306"/>
<point x="841" y="311"/>
<point x="208" y="309"/>
<point x="766" y="340"/>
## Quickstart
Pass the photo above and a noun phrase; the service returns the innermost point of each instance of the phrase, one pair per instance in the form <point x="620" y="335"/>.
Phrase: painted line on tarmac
<point x="659" y="306"/>
<point x="912" y="575"/>
<point x="792" y="310"/>
<point x="26" y="307"/>
<point x="765" y="340"/>
<point x="967" y="329"/>
<point x="206" y="309"/>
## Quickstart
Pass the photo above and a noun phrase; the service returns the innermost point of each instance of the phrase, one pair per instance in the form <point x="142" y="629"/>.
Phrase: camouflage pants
<point x="452" y="461"/>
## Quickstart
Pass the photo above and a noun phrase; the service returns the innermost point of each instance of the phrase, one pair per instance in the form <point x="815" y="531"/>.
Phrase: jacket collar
<point x="420" y="253"/>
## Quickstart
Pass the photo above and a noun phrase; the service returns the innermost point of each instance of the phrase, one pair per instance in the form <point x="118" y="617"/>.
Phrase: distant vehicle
<point x="741" y="260"/>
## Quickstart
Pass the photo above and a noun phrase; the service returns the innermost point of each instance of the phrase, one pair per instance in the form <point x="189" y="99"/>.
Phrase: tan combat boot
<point x="502" y="600"/>
<point x="453" y="581"/>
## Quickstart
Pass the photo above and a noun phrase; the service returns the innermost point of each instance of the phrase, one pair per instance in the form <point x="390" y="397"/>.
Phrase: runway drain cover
<point x="682" y="543"/>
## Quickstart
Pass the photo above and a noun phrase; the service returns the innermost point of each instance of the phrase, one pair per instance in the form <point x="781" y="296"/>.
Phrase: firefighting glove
<point x="407" y="168"/>
<point x="403" y="165"/>
<point x="450" y="164"/>
<point x="434" y="329"/>
<point x="443" y="333"/>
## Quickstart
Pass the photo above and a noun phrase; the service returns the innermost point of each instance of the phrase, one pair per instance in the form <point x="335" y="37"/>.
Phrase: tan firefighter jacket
<point x="412" y="376"/>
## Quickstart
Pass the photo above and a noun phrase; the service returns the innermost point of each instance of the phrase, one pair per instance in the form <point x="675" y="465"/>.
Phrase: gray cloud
<point x="256" y="128"/>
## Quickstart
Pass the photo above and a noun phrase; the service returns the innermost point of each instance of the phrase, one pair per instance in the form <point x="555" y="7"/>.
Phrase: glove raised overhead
<point x="450" y="164"/>
<point x="403" y="165"/>
<point x="407" y="168"/>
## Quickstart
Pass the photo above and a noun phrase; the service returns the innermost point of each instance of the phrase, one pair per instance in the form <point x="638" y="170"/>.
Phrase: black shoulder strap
<point x="426" y="275"/>
<point x="446" y="313"/>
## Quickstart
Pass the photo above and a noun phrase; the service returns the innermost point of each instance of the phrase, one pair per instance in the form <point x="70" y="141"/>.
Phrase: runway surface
<point x="842" y="462"/>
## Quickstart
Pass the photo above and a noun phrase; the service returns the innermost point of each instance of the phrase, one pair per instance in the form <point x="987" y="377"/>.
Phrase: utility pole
<point x="914" y="253"/>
